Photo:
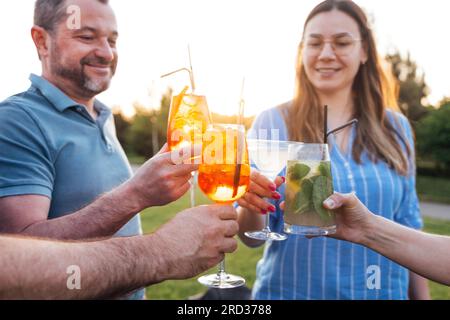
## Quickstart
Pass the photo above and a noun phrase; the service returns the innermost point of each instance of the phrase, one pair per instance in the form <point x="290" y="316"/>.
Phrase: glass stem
<point x="192" y="191"/>
<point x="221" y="273"/>
<point x="267" y="227"/>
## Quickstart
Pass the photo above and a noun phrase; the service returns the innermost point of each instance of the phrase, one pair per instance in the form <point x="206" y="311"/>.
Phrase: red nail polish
<point x="273" y="187"/>
<point x="272" y="209"/>
<point x="264" y="211"/>
<point x="276" y="196"/>
<point x="284" y="179"/>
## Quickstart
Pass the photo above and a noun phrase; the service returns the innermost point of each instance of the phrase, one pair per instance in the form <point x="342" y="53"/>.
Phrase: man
<point x="425" y="254"/>
<point x="192" y="242"/>
<point x="63" y="173"/>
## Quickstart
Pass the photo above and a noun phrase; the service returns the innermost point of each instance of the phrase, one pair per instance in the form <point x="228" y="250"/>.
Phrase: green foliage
<point x="144" y="134"/>
<point x="433" y="189"/>
<point x="433" y="136"/>
<point x="432" y="127"/>
<point x="122" y="127"/>
<point x="139" y="135"/>
<point x="412" y="87"/>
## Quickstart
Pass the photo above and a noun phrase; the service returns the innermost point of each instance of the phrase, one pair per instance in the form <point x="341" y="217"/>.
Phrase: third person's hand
<point x="352" y="217"/>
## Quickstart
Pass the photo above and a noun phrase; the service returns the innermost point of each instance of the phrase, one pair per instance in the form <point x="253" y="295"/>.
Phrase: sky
<point x="230" y="40"/>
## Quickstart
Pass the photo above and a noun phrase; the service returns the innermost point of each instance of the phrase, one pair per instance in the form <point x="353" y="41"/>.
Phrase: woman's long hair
<point x="373" y="91"/>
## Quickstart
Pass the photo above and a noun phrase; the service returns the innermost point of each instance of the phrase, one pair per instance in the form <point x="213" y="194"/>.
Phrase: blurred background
<point x="232" y="39"/>
<point x="255" y="39"/>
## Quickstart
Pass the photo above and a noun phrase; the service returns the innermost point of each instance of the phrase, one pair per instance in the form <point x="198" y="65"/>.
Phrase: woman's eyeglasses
<point x="341" y="45"/>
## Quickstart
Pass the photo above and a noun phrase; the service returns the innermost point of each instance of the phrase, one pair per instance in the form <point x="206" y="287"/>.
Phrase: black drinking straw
<point x="237" y="172"/>
<point x="326" y="133"/>
<point x="343" y="127"/>
<point x="325" y="125"/>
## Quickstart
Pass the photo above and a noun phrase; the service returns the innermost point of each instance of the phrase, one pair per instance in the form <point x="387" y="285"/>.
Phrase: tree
<point x="122" y="126"/>
<point x="139" y="134"/>
<point x="163" y="115"/>
<point x="148" y="130"/>
<point x="433" y="136"/>
<point x="412" y="86"/>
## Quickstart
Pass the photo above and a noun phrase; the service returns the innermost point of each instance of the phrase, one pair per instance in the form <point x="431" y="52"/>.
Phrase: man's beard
<point x="87" y="86"/>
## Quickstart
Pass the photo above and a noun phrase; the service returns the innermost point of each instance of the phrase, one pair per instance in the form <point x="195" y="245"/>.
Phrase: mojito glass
<point x="308" y="184"/>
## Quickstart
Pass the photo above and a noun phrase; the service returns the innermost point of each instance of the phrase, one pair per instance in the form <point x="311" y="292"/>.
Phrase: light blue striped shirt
<point x="325" y="268"/>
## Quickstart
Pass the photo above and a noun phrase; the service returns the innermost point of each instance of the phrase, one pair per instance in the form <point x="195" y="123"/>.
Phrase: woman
<point x="338" y="66"/>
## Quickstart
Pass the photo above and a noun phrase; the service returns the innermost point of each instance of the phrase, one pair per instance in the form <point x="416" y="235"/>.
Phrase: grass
<point x="243" y="261"/>
<point x="433" y="189"/>
<point x="182" y="289"/>
<point x="136" y="159"/>
<point x="438" y="292"/>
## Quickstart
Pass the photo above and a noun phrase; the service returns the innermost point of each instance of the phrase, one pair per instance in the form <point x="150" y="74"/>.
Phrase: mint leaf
<point x="297" y="172"/>
<point x="325" y="169"/>
<point x="303" y="198"/>
<point x="322" y="189"/>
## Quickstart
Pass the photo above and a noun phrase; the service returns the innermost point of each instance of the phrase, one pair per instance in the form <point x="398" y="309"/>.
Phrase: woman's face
<point x="332" y="51"/>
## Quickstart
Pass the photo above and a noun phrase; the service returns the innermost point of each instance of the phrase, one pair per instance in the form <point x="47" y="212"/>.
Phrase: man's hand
<point x="352" y="217"/>
<point x="162" y="179"/>
<point x="195" y="240"/>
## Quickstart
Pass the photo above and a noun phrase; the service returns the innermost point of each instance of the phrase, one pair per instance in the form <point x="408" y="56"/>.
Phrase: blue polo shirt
<point x="51" y="146"/>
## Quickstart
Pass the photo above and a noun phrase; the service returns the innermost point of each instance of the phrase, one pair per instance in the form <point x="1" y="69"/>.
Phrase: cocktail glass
<point x="189" y="118"/>
<point x="224" y="176"/>
<point x="308" y="184"/>
<point x="269" y="157"/>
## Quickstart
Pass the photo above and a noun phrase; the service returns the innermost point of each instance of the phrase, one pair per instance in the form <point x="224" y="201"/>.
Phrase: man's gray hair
<point x="48" y="13"/>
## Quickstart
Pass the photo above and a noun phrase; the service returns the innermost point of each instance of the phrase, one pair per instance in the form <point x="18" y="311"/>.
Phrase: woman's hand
<point x="261" y="187"/>
<point x="352" y="217"/>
